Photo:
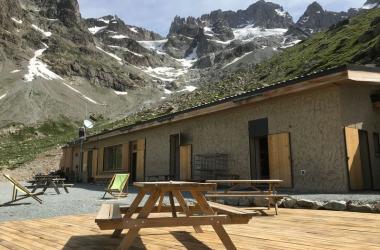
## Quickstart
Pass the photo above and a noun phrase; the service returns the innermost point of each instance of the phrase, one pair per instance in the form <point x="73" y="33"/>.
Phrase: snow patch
<point x="134" y="29"/>
<point x="18" y="21"/>
<point x="290" y="44"/>
<point x="370" y="6"/>
<point x="111" y="55"/>
<point x="281" y="12"/>
<point x="166" y="74"/>
<point x="188" y="89"/>
<point x="156" y="45"/>
<point x="77" y="91"/>
<point x="45" y="33"/>
<point x="125" y="49"/>
<point x="1" y="97"/>
<point x="249" y="32"/>
<point x="119" y="36"/>
<point x="96" y="29"/>
<point x="208" y="31"/>
<point x="120" y="92"/>
<point x="222" y="42"/>
<point x="236" y="59"/>
<point x="36" y="68"/>
<point x="104" y="20"/>
<point x="15" y="71"/>
<point x="168" y="92"/>
<point x="305" y="19"/>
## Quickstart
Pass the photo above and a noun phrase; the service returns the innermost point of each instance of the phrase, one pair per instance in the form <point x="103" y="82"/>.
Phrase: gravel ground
<point x="85" y="198"/>
<point x="82" y="199"/>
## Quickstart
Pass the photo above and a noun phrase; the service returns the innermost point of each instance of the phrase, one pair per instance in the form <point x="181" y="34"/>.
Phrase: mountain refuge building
<point x="317" y="133"/>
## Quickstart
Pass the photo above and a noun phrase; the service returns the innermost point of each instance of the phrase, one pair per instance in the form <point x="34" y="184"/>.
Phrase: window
<point x="112" y="158"/>
<point x="376" y="139"/>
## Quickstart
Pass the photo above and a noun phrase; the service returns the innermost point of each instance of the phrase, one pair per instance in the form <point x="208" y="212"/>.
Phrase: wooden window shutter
<point x="125" y="157"/>
<point x="354" y="158"/>
<point x="280" y="158"/>
<point x="140" y="169"/>
<point x="94" y="163"/>
<point x="84" y="162"/>
<point x="185" y="162"/>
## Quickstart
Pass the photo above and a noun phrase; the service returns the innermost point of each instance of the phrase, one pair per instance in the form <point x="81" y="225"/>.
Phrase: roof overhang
<point x="341" y="75"/>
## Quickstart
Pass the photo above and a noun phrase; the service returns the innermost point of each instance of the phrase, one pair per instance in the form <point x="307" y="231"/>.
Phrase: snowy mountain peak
<point x="371" y="4"/>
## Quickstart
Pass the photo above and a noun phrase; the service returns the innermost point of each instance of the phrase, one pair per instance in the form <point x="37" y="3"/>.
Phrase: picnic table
<point x="248" y="188"/>
<point x="49" y="181"/>
<point x="115" y="217"/>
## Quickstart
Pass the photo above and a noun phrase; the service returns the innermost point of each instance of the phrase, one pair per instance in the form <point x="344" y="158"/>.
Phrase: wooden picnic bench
<point x="249" y="188"/>
<point x="49" y="181"/>
<point x="118" y="218"/>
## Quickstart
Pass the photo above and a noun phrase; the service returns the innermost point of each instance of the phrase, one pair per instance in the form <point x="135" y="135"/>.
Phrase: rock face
<point x="114" y="25"/>
<point x="65" y="10"/>
<point x="316" y="19"/>
<point x="261" y="14"/>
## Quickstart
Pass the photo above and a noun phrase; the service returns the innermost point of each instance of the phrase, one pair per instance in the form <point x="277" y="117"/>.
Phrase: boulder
<point x="377" y="207"/>
<point x="289" y="203"/>
<point x="335" y="205"/>
<point x="303" y="203"/>
<point x="361" y="208"/>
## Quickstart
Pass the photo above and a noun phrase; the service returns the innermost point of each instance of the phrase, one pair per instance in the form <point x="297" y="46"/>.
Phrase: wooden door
<point x="185" y="162"/>
<point x="280" y="166"/>
<point x="140" y="168"/>
<point x="354" y="158"/>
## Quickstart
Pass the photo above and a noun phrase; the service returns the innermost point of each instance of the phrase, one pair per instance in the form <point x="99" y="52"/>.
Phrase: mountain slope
<point x="354" y="41"/>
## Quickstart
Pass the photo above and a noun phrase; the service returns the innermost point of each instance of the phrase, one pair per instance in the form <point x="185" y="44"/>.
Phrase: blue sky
<point x="157" y="15"/>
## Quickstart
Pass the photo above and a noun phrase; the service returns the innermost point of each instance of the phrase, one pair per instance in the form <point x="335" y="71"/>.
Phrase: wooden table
<point x="248" y="188"/>
<point x="49" y="181"/>
<point x="109" y="216"/>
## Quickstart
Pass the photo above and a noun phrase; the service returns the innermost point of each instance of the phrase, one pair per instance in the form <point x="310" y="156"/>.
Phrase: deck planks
<point x="292" y="229"/>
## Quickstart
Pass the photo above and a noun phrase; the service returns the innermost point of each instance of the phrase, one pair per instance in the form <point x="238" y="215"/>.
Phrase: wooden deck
<point x="292" y="229"/>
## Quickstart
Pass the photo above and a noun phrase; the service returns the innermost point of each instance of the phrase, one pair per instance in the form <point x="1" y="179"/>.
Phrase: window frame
<point x="114" y="161"/>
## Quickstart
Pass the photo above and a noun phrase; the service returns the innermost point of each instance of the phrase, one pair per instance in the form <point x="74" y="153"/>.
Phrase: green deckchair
<point x="18" y="187"/>
<point x="116" y="186"/>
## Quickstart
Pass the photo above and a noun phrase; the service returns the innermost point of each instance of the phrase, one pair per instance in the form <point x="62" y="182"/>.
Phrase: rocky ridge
<point x="114" y="69"/>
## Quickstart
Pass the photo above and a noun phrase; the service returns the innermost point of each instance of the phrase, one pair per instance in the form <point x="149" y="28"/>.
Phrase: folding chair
<point x="17" y="187"/>
<point x="116" y="186"/>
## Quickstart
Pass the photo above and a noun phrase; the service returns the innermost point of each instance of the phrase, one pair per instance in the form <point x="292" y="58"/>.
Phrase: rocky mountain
<point x="54" y="63"/>
<point x="316" y="19"/>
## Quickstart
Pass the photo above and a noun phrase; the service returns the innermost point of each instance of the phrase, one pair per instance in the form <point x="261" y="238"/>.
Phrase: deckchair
<point x="116" y="186"/>
<point x="18" y="187"/>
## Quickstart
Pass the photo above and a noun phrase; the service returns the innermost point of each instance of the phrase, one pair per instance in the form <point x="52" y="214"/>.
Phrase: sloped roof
<point x="243" y="96"/>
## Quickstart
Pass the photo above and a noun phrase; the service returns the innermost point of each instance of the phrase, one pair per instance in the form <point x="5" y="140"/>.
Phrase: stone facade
<point x="315" y="120"/>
